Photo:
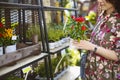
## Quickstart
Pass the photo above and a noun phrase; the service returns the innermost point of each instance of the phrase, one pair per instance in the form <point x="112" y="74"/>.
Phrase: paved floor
<point x="71" y="74"/>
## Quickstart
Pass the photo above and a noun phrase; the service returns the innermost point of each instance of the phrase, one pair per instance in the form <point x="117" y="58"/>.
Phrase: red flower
<point x="1" y="35"/>
<point x="77" y="28"/>
<point x="80" y="19"/>
<point x="73" y="17"/>
<point x="83" y="28"/>
<point x="1" y="25"/>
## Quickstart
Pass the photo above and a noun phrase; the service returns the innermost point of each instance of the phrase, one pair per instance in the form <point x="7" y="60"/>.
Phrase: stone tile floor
<point x="71" y="74"/>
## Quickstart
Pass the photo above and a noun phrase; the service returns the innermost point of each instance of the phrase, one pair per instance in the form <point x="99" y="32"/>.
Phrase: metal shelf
<point x="64" y="46"/>
<point x="52" y="8"/>
<point x="18" y="6"/>
<point x="22" y="63"/>
<point x="30" y="6"/>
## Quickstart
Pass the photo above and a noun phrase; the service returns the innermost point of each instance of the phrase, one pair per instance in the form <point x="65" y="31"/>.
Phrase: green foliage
<point x="55" y="32"/>
<point x="76" y="27"/>
<point x="14" y="25"/>
<point x="33" y="30"/>
<point x="13" y="77"/>
<point x="40" y="69"/>
<point x="91" y="17"/>
<point x="64" y="2"/>
<point x="73" y="56"/>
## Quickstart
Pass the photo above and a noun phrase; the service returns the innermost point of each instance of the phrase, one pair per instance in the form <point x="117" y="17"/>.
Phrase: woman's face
<point x="104" y="5"/>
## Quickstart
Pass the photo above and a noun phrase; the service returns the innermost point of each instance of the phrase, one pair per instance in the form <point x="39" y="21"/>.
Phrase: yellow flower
<point x="8" y="33"/>
<point x="91" y="17"/>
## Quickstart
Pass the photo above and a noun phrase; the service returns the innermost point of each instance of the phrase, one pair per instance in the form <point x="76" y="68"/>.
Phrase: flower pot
<point x="35" y="39"/>
<point x="52" y="45"/>
<point x="10" y="48"/>
<point x="1" y="50"/>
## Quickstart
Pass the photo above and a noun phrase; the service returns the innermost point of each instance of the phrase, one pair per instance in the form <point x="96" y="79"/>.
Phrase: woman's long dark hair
<point x="116" y="4"/>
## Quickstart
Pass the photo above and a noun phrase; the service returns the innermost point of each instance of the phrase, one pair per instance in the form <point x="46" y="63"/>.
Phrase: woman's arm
<point x="108" y="54"/>
<point x="86" y="45"/>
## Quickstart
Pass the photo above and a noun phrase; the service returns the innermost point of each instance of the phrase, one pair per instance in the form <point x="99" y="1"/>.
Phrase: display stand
<point x="45" y="51"/>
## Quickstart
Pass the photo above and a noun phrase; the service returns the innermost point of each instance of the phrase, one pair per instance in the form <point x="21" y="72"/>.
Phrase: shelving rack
<point x="43" y="29"/>
<point x="23" y="63"/>
<point x="21" y="8"/>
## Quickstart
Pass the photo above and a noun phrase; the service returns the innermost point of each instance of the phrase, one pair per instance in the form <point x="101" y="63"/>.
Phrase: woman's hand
<point x="83" y="44"/>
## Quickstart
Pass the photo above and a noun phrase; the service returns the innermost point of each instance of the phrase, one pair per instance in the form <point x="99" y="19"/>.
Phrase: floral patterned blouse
<point x="107" y="35"/>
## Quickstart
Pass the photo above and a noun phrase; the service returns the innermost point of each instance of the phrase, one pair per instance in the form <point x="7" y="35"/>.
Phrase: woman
<point x="103" y="60"/>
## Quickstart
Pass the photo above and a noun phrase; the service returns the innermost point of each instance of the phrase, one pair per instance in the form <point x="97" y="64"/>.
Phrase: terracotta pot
<point x="35" y="39"/>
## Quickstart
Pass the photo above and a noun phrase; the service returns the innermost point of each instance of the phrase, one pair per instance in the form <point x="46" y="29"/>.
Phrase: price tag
<point x="14" y="37"/>
<point x="26" y="69"/>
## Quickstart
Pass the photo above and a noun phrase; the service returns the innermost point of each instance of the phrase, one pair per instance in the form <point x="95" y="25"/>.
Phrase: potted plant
<point x="76" y="28"/>
<point x="33" y="33"/>
<point x="8" y="38"/>
<point x="55" y="33"/>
